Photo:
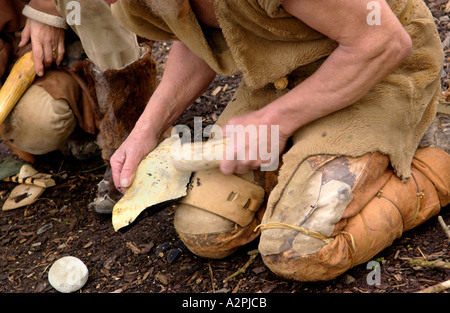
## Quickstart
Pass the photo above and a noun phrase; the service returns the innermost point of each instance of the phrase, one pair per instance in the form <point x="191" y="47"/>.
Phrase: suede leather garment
<point x="64" y="83"/>
<point x="262" y="41"/>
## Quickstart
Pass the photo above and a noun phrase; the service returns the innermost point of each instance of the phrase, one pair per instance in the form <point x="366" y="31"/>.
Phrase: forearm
<point x="365" y="56"/>
<point x="185" y="78"/>
<point x="343" y="79"/>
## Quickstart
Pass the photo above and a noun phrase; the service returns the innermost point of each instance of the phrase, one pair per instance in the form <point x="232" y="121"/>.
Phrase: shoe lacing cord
<point x="308" y="232"/>
<point x="311" y="233"/>
<point x="305" y="231"/>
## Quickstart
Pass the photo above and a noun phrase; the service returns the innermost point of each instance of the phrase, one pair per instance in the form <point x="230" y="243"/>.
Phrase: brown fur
<point x="120" y="97"/>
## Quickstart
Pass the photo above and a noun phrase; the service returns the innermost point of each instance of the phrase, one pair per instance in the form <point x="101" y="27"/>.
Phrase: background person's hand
<point x="47" y="44"/>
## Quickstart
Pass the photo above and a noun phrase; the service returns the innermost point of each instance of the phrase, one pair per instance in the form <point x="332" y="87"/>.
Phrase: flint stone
<point x="68" y="274"/>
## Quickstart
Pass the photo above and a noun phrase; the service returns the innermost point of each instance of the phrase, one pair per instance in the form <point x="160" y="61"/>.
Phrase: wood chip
<point x="44" y="228"/>
<point x="88" y="245"/>
<point x="109" y="263"/>
<point x="216" y="91"/>
<point x="444" y="227"/>
<point x="133" y="247"/>
<point x="162" y="278"/>
<point x="436" y="288"/>
<point x="145" y="248"/>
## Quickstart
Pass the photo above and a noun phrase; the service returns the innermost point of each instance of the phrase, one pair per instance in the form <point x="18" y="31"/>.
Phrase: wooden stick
<point x="212" y="277"/>
<point x="436" y="288"/>
<point x="242" y="269"/>
<point x="19" y="79"/>
<point x="431" y="264"/>
<point x="444" y="226"/>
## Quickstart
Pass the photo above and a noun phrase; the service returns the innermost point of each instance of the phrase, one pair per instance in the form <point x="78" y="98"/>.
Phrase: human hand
<point x="126" y="159"/>
<point x="253" y="143"/>
<point x="47" y="44"/>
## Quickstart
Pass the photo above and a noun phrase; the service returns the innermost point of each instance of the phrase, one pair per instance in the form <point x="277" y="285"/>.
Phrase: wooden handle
<point x="19" y="79"/>
<point x="198" y="156"/>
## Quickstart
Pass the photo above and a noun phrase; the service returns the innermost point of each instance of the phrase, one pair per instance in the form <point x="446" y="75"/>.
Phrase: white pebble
<point x="68" y="274"/>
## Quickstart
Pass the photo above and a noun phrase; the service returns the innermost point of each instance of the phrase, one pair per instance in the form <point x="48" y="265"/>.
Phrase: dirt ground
<point x="149" y="258"/>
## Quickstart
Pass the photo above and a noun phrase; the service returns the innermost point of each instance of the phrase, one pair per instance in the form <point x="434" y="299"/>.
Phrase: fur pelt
<point x="120" y="97"/>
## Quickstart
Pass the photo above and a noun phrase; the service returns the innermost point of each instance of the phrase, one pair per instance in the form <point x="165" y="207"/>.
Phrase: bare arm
<point x="185" y="78"/>
<point x="365" y="56"/>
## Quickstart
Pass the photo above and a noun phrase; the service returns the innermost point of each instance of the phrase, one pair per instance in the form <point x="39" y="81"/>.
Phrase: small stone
<point x="348" y="280"/>
<point x="173" y="255"/>
<point x="162" y="247"/>
<point x="68" y="274"/>
<point x="44" y="228"/>
<point x="180" y="245"/>
<point x="259" y="270"/>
